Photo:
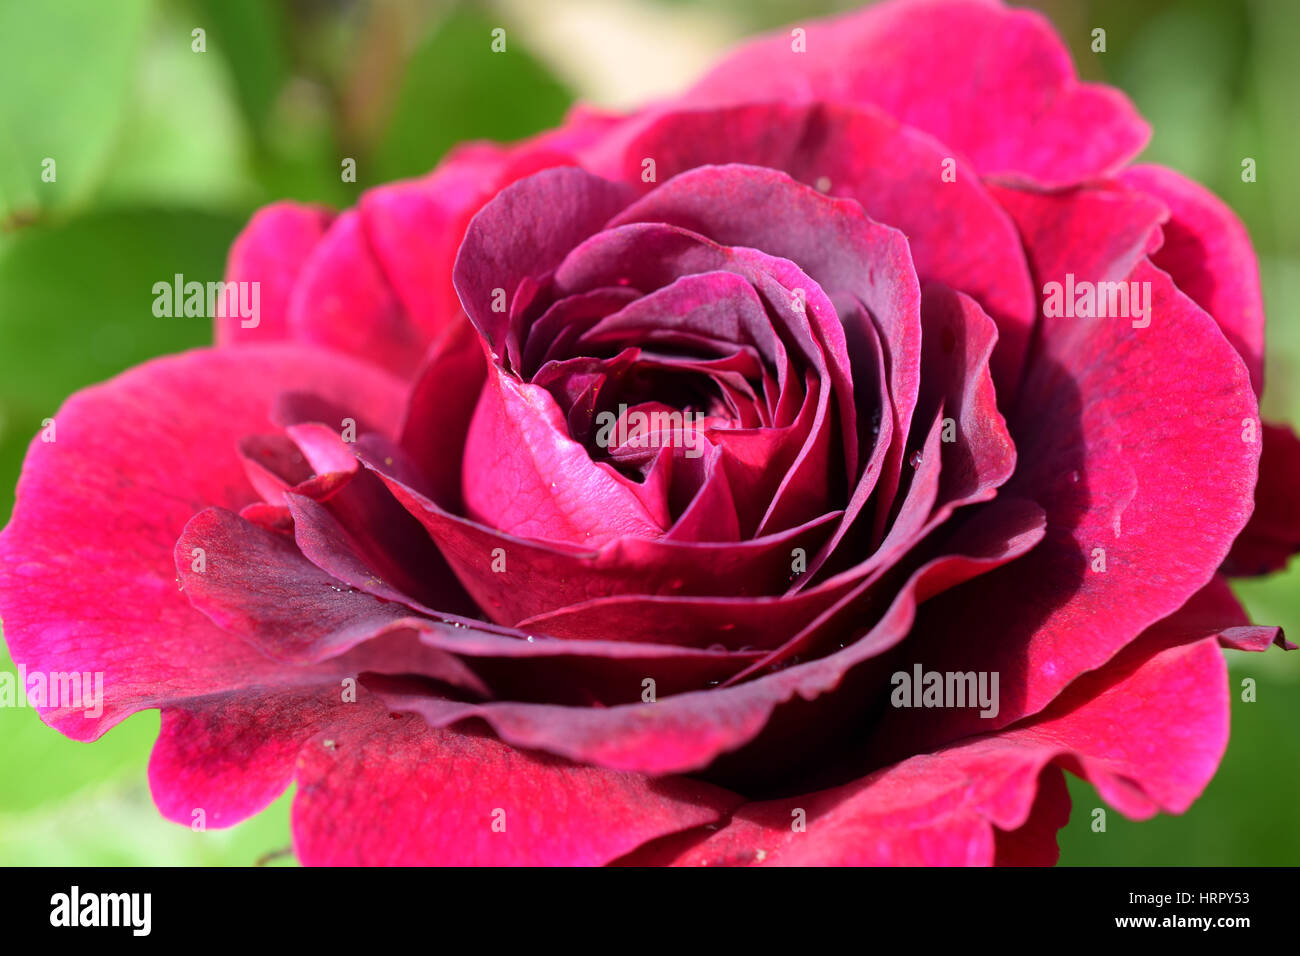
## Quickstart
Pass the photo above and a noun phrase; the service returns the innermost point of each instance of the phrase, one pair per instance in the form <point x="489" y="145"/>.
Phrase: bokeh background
<point x="163" y="153"/>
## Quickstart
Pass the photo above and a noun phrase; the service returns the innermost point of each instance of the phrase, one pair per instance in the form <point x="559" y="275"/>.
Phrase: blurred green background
<point x="163" y="153"/>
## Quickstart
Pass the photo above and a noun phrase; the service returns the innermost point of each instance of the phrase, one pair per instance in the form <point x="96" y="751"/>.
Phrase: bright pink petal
<point x="345" y="302"/>
<point x="1208" y="253"/>
<point x="381" y="791"/>
<point x="995" y="84"/>
<point x="271" y="251"/>
<point x="87" y="573"/>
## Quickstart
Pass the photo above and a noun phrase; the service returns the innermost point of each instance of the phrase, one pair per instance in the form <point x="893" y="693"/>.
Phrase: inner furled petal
<point x="860" y="264"/>
<point x="555" y="333"/>
<point x="802" y="318"/>
<point x="524" y="475"/>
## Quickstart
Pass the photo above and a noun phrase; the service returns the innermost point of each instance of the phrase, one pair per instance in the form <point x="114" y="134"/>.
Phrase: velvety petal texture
<point x="591" y="500"/>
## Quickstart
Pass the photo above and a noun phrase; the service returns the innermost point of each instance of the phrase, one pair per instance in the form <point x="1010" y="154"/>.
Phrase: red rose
<point x="801" y="471"/>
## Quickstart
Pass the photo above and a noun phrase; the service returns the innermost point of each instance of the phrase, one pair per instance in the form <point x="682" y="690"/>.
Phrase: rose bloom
<point x="804" y="470"/>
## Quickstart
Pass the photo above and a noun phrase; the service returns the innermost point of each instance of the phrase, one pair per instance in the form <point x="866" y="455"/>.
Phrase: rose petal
<point x="271" y="251"/>
<point x="1208" y="253"/>
<point x="96" y="520"/>
<point x="995" y="84"/>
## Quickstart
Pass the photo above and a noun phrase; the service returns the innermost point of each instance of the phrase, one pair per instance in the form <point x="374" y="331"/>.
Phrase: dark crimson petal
<point x="1208" y="254"/>
<point x="653" y="255"/>
<point x="752" y="622"/>
<point x="1273" y="533"/>
<point x="439" y="413"/>
<point x="957" y="233"/>
<point x="271" y="251"/>
<point x="524" y="232"/>
<point x="1104" y="445"/>
<point x="273" y="464"/>
<point x="687" y="732"/>
<point x="90" y="502"/>
<point x="367" y="541"/>
<point x="541" y="577"/>
<point x="397" y="792"/>
<point x="1034" y="843"/>
<point x="257" y="585"/>
<point x="942" y="808"/>
<point x="854" y="260"/>
<point x="957" y="373"/>
<point x="519" y="666"/>
<point x="995" y="84"/>
<point x="959" y="466"/>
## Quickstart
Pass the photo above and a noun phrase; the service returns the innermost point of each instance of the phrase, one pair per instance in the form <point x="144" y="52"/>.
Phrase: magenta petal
<point x="1208" y="254"/>
<point x="1090" y="235"/>
<point x="995" y="84"/>
<point x="1034" y="842"/>
<point x="257" y="585"/>
<point x="271" y="251"/>
<point x="942" y="808"/>
<point x="524" y="233"/>
<point x="378" y="791"/>
<point x="956" y="231"/>
<point x="524" y="475"/>
<point x="1111" y="475"/>
<point x="686" y="732"/>
<point x="231" y="759"/>
<point x="344" y="301"/>
<point x="90" y="500"/>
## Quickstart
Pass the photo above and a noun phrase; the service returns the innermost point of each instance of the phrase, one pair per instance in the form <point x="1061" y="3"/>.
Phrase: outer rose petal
<point x="344" y="301"/>
<point x="376" y="789"/>
<point x="1149" y="735"/>
<point x="1104" y="444"/>
<point x="995" y="84"/>
<point x="1273" y="534"/>
<point x="956" y="231"/>
<point x="393" y="791"/>
<point x="271" y="251"/>
<point x="1094" y="234"/>
<point x="686" y="732"/>
<point x="87" y="577"/>
<point x="1208" y="254"/>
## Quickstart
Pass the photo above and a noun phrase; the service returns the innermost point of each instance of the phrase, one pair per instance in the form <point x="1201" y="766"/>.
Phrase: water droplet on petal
<point x="915" y="460"/>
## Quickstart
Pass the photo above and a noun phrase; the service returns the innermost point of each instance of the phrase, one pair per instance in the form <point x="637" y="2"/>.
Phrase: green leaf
<point x="1241" y="819"/>
<point x="65" y="71"/>
<point x="183" y="139"/>
<point x="77" y="303"/>
<point x="250" y="36"/>
<point x="457" y="89"/>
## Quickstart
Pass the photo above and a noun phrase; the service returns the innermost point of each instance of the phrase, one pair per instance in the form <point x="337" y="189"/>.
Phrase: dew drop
<point x="915" y="460"/>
